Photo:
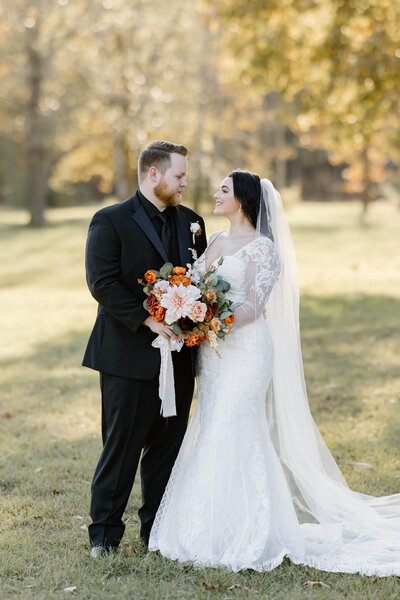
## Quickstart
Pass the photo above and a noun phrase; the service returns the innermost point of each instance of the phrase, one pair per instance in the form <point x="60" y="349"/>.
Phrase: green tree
<point x="38" y="43"/>
<point x="337" y="62"/>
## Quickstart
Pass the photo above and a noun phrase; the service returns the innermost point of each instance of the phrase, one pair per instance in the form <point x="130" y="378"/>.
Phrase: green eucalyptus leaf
<point x="213" y="280"/>
<point x="235" y="305"/>
<point x="176" y="328"/>
<point x="225" y="314"/>
<point x="220" y="303"/>
<point x="166" y="270"/>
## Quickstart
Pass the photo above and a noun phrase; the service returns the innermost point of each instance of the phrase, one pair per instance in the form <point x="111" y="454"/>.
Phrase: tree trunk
<point x="367" y="193"/>
<point x="37" y="185"/>
<point x="35" y="135"/>
<point x="201" y="118"/>
<point x="280" y="161"/>
<point x="120" y="166"/>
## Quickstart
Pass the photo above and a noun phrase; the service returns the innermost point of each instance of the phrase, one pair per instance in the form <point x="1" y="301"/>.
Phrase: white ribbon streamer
<point x="166" y="388"/>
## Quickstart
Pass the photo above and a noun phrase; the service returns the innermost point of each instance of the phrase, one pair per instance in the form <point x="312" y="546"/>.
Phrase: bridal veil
<point x="343" y="530"/>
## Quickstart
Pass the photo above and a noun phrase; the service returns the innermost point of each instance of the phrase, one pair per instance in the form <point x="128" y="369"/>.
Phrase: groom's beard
<point x="166" y="196"/>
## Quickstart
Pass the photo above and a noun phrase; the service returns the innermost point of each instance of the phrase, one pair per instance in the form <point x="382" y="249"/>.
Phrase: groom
<point x="124" y="241"/>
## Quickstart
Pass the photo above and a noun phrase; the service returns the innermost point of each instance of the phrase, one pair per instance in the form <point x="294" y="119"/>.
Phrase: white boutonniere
<point x="195" y="229"/>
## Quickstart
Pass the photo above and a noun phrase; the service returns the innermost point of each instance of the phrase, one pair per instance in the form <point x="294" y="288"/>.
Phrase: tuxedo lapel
<point x="141" y="218"/>
<point x="183" y="235"/>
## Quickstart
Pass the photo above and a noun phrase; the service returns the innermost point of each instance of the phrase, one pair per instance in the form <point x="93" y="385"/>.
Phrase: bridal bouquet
<point x="190" y="302"/>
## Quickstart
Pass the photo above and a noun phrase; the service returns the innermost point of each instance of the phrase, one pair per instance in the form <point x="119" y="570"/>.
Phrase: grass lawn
<point x="50" y="406"/>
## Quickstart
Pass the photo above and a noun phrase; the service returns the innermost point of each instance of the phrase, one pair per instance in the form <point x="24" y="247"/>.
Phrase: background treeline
<point x="305" y="92"/>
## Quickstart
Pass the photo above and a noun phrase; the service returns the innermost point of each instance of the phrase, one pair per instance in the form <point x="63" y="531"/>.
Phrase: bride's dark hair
<point x="247" y="190"/>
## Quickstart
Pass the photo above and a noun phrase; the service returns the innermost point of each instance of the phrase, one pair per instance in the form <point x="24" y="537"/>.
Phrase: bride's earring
<point x="240" y="209"/>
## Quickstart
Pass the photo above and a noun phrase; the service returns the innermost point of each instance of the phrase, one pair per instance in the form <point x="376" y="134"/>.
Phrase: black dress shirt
<point x="154" y="215"/>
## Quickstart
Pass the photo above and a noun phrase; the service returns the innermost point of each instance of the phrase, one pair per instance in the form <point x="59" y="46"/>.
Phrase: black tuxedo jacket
<point x="122" y="245"/>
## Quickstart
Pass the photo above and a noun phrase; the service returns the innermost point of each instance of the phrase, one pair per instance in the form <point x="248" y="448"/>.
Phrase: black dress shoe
<point x="98" y="551"/>
<point x="145" y="541"/>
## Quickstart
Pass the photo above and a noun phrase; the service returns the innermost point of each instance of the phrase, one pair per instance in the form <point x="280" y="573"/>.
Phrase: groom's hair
<point x="158" y="154"/>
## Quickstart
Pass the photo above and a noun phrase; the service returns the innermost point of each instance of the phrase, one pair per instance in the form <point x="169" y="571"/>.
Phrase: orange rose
<point x="215" y="325"/>
<point x="178" y="279"/>
<point x="210" y="295"/>
<point x="193" y="340"/>
<point x="158" y="313"/>
<point x="229" y="320"/>
<point x="179" y="271"/>
<point x="150" y="276"/>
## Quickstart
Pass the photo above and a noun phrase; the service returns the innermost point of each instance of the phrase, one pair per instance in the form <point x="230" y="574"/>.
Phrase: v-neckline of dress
<point x="223" y="255"/>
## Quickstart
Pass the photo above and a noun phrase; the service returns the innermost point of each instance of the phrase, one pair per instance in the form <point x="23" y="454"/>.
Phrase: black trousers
<point x="131" y="423"/>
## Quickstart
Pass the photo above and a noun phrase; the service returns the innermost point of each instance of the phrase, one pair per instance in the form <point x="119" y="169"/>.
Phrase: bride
<point x="254" y="481"/>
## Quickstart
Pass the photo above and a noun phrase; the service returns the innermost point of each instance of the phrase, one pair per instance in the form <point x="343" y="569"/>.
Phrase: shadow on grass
<point x="343" y="339"/>
<point x="46" y="485"/>
<point x="49" y="380"/>
<point x="23" y="231"/>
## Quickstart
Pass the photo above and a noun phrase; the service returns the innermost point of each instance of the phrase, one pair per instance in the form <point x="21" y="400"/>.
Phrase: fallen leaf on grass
<point x="239" y="586"/>
<point x="7" y="415"/>
<point x="72" y="588"/>
<point x="38" y="470"/>
<point x="56" y="492"/>
<point x="78" y="517"/>
<point x="320" y="583"/>
<point x="209" y="585"/>
<point x="129" y="548"/>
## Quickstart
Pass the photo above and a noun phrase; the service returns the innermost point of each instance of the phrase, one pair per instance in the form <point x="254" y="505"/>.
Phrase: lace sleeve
<point x="263" y="268"/>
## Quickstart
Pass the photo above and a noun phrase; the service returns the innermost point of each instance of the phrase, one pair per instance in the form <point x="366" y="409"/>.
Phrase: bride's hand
<point x="164" y="330"/>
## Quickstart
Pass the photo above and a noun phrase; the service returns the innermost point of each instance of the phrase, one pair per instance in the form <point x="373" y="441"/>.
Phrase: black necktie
<point x="166" y="236"/>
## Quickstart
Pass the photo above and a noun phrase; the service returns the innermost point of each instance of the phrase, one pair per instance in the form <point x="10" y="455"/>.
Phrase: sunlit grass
<point x="50" y="407"/>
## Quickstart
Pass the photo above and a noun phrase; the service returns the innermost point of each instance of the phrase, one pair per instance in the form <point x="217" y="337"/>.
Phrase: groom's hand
<point x="164" y="330"/>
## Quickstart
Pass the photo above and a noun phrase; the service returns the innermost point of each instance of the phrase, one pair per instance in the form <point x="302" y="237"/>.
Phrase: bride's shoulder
<point x="214" y="235"/>
<point x="261" y="243"/>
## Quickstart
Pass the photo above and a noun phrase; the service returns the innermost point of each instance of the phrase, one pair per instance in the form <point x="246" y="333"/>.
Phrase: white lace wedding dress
<point x="228" y="502"/>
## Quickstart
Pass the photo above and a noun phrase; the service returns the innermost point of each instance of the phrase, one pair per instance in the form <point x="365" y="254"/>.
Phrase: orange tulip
<point x="193" y="340"/>
<point x="178" y="279"/>
<point x="158" y="313"/>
